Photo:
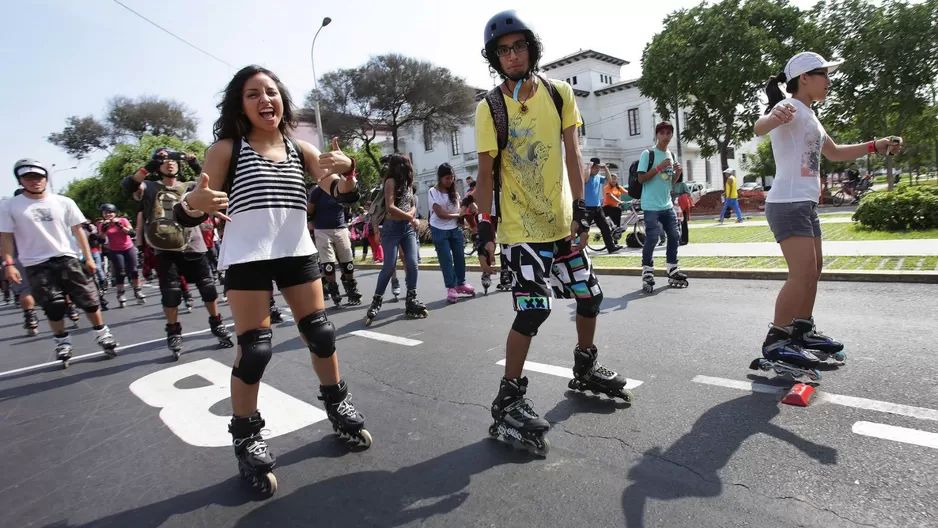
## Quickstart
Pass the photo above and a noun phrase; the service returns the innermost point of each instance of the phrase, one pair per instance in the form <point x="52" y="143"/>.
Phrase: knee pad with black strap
<point x="328" y="270"/>
<point x="348" y="268"/>
<point x="528" y="321"/>
<point x="318" y="333"/>
<point x="172" y="295"/>
<point x="56" y="307"/>
<point x="207" y="289"/>
<point x="589" y="308"/>
<point x="256" y="352"/>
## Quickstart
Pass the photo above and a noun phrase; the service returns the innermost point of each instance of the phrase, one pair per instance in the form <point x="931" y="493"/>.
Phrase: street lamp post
<point x="322" y="136"/>
<point x="52" y="185"/>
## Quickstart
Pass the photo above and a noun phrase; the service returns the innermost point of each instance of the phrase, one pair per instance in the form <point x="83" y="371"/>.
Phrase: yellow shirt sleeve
<point x="486" y="140"/>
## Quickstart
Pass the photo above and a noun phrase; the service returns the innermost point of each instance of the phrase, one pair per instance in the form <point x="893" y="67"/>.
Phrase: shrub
<point x="915" y="209"/>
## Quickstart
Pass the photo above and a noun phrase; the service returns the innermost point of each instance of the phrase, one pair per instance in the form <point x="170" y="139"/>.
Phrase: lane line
<point x="921" y="413"/>
<point x="386" y="337"/>
<point x="896" y="434"/>
<point x="96" y="354"/>
<point x="563" y="372"/>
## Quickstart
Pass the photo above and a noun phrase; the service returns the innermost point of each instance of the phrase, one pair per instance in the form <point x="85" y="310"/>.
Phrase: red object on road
<point x="800" y="395"/>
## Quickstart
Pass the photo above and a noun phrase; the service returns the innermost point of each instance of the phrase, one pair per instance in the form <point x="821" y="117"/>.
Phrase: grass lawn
<point x="841" y="231"/>
<point x="914" y="263"/>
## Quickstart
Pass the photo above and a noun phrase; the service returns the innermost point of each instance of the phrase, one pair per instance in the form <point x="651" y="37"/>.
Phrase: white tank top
<point x="267" y="207"/>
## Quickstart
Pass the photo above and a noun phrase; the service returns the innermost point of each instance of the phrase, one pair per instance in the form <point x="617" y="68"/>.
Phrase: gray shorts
<point x="793" y="219"/>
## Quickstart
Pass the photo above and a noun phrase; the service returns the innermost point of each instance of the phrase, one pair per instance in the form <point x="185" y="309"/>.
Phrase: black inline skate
<point x="414" y="308"/>
<point x="138" y="294"/>
<point x="347" y="423"/>
<point x="781" y="354"/>
<point x="590" y="375"/>
<point x="276" y="316"/>
<point x="395" y="289"/>
<point x="351" y="291"/>
<point x="373" y="310"/>
<point x="676" y="278"/>
<point x="648" y="279"/>
<point x="174" y="338"/>
<point x="106" y="341"/>
<point x="255" y="461"/>
<point x="30" y="323"/>
<point x="486" y="283"/>
<point x="822" y="346"/>
<point x="220" y="331"/>
<point x="63" y="349"/>
<point x="515" y="421"/>
<point x="333" y="289"/>
<point x="505" y="279"/>
<point x="73" y="315"/>
<point x="121" y="299"/>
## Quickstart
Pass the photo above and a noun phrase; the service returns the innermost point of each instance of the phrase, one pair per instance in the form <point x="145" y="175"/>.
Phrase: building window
<point x="634" y="130"/>
<point x="730" y="153"/>
<point x="709" y="171"/>
<point x="574" y="79"/>
<point x="454" y="141"/>
<point x="744" y="158"/>
<point x="427" y="138"/>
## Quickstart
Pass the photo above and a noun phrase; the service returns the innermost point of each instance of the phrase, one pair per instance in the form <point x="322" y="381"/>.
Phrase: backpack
<point x="499" y="111"/>
<point x="635" y="186"/>
<point x="161" y="230"/>
<point x="378" y="209"/>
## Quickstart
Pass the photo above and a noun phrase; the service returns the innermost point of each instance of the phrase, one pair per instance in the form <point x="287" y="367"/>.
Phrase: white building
<point x="618" y="124"/>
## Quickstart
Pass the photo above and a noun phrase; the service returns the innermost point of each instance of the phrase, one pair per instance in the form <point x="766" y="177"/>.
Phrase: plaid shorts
<point x="533" y="264"/>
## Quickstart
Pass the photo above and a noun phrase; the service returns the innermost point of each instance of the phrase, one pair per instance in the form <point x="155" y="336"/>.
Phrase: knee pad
<point x="56" y="308"/>
<point x="172" y="296"/>
<point x="328" y="269"/>
<point x="255" y="354"/>
<point x="318" y="333"/>
<point x="528" y="321"/>
<point x="207" y="290"/>
<point x="348" y="268"/>
<point x="589" y="308"/>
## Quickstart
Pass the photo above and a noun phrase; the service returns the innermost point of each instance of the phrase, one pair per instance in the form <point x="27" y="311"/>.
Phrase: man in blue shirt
<point x="331" y="234"/>
<point x="657" y="181"/>
<point x="593" y="195"/>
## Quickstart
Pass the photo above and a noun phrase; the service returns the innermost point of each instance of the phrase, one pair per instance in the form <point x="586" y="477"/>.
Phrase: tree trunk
<point x="394" y="139"/>
<point x="889" y="178"/>
<point x="372" y="157"/>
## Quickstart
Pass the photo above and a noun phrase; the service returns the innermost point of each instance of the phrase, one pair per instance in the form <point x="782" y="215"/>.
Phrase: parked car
<point x="697" y="191"/>
<point x="751" y="186"/>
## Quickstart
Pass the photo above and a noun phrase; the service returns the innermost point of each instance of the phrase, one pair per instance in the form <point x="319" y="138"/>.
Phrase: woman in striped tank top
<point x="266" y="241"/>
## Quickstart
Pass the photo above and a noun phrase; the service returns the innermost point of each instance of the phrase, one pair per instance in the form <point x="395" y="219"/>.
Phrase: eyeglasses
<point x="518" y="47"/>
<point x="822" y="73"/>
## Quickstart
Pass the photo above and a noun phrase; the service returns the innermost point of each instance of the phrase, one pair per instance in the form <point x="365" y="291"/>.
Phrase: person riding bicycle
<point x="853" y="180"/>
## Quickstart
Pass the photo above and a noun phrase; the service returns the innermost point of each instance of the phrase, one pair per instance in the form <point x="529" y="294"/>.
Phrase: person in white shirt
<point x="447" y="236"/>
<point x="42" y="225"/>
<point x="798" y="140"/>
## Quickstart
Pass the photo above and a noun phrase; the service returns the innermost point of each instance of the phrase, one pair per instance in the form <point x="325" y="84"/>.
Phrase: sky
<point x="69" y="57"/>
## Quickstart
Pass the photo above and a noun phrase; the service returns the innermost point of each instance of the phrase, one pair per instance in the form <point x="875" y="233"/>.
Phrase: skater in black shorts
<point x="42" y="225"/>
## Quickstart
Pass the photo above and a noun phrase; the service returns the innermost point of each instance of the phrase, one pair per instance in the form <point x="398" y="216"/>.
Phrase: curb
<point x="916" y="277"/>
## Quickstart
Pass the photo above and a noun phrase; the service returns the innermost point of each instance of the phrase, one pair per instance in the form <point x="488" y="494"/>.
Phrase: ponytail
<point x="773" y="91"/>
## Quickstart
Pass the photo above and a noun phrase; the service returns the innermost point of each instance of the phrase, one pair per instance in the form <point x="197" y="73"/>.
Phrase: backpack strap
<point x="651" y="159"/>
<point x="233" y="163"/>
<point x="499" y="111"/>
<point x="299" y="151"/>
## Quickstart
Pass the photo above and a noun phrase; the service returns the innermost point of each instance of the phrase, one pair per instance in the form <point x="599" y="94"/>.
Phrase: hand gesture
<point x="889" y="145"/>
<point x="783" y="113"/>
<point x="678" y="170"/>
<point x="12" y="274"/>
<point x="664" y="164"/>
<point x="204" y="199"/>
<point x="190" y="157"/>
<point x="487" y="259"/>
<point x="335" y="162"/>
<point x="91" y="267"/>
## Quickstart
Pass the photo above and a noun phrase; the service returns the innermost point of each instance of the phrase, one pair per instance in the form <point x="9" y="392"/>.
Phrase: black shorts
<point x="61" y="276"/>
<point x="262" y="274"/>
<point x="544" y="268"/>
<point x="172" y="265"/>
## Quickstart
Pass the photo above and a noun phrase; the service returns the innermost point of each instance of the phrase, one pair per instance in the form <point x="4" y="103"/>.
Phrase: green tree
<point x="713" y="60"/>
<point x="126" y="159"/>
<point x="126" y="120"/>
<point x="892" y="61"/>
<point x="761" y="163"/>
<point x="369" y="174"/>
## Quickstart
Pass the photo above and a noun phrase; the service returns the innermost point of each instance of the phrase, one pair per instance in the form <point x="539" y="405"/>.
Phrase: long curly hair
<point x="232" y="121"/>
<point x="399" y="169"/>
<point x="535" y="52"/>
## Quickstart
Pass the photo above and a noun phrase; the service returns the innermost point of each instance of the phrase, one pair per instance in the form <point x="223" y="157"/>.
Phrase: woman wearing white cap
<point x="798" y="140"/>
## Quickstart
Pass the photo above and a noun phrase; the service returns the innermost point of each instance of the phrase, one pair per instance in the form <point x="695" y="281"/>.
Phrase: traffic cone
<point x="800" y="395"/>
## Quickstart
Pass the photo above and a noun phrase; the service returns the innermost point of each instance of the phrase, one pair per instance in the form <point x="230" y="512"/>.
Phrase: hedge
<point x="900" y="210"/>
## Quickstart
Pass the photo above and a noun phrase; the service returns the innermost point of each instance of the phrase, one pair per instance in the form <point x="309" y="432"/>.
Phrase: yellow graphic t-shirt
<point x="536" y="203"/>
<point x="730" y="188"/>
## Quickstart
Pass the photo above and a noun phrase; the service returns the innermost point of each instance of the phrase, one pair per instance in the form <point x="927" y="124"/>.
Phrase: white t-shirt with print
<point x="442" y="199"/>
<point x="797" y="150"/>
<point x="41" y="228"/>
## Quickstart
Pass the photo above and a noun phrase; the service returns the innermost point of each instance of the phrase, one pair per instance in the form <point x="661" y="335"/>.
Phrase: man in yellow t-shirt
<point x="537" y="199"/>
<point x="731" y="195"/>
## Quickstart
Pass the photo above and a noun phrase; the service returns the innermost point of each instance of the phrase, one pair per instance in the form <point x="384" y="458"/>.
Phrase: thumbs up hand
<point x="335" y="161"/>
<point x="202" y="198"/>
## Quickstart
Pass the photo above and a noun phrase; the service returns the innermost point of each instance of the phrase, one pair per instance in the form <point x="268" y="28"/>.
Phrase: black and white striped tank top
<point x="267" y="207"/>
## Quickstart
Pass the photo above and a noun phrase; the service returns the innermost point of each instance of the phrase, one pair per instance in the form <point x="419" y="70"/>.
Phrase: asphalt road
<point x="121" y="442"/>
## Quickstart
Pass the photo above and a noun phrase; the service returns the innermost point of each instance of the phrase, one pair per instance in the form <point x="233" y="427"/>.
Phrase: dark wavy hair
<point x="443" y="170"/>
<point x="399" y="169"/>
<point x="232" y="121"/>
<point x="535" y="52"/>
<point x="775" y="93"/>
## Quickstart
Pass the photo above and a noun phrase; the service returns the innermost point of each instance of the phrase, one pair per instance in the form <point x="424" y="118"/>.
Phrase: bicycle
<point x="636" y="219"/>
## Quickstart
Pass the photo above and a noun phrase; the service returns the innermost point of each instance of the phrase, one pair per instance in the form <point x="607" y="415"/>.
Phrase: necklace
<point x="524" y="107"/>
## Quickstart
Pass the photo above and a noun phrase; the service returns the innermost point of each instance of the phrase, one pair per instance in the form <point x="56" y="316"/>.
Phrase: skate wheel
<point x="626" y="395"/>
<point x="176" y="354"/>
<point x="65" y="364"/>
<point x="573" y="385"/>
<point x="493" y="431"/>
<point x="110" y="352"/>
<point x="541" y="447"/>
<point x="840" y="357"/>
<point x="269" y="483"/>
<point x="368" y="321"/>
<point x="648" y="289"/>
<point x="364" y="438"/>
<point x="814" y="375"/>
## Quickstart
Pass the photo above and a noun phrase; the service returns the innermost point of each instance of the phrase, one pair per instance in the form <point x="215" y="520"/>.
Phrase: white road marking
<point x="386" y="337"/>
<point x="847" y="401"/>
<point x="896" y="434"/>
<point x="563" y="372"/>
<point x="96" y="354"/>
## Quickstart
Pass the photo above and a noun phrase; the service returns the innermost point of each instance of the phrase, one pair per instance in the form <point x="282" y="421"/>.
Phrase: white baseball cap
<point x="809" y="61"/>
<point x="729" y="171"/>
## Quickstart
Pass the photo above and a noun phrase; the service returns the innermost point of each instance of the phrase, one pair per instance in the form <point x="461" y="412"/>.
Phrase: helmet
<point x="108" y="208"/>
<point x="503" y="24"/>
<point x="29" y="165"/>
<point x="169" y="150"/>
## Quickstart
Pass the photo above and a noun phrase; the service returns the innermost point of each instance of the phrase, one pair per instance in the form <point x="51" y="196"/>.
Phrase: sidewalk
<point x="732" y="223"/>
